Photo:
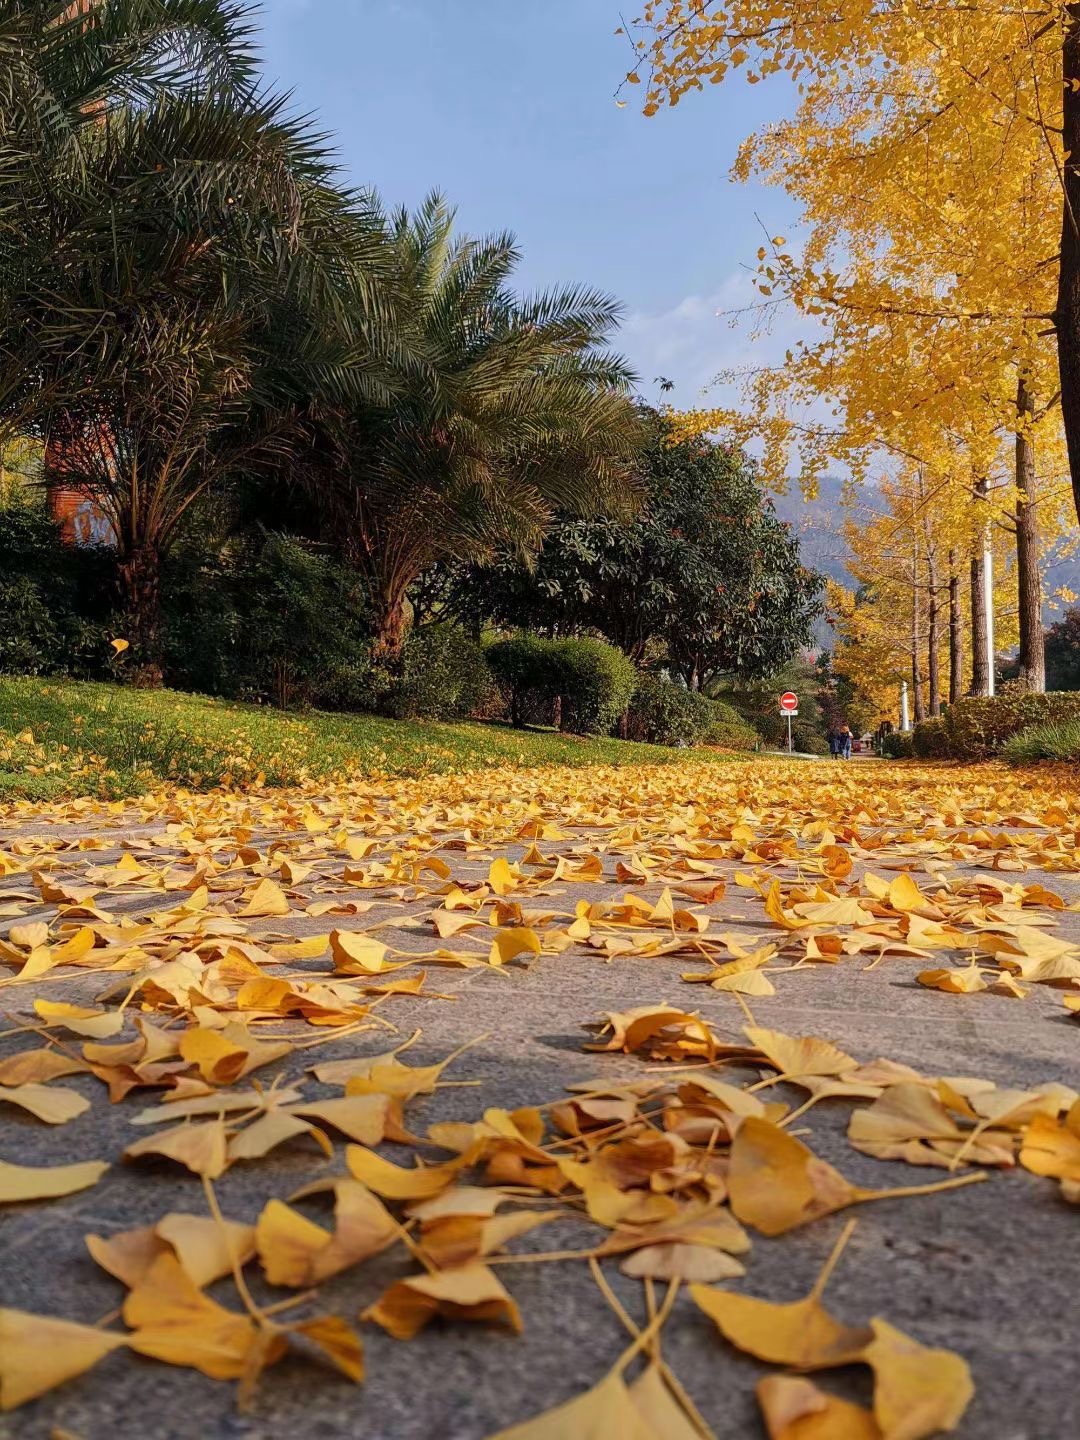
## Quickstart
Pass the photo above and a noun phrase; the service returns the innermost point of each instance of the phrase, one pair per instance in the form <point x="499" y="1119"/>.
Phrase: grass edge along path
<point x="62" y="739"/>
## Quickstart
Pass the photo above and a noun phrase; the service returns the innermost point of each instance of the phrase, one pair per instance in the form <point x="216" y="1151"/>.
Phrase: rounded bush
<point x="594" y="682"/>
<point x="446" y="677"/>
<point x="898" y="746"/>
<point x="522" y="667"/>
<point x="726" y="728"/>
<point x="930" y="739"/>
<point x="663" y="713"/>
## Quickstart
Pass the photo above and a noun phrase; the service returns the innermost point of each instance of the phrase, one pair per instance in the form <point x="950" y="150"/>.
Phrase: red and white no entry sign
<point x="789" y="702"/>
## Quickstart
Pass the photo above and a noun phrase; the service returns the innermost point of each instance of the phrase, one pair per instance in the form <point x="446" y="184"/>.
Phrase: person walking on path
<point x="834" y="742"/>
<point x="845" y="739"/>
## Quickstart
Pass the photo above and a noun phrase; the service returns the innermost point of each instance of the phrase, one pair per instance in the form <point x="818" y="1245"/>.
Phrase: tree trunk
<point x="981" y="659"/>
<point x="956" y="633"/>
<point x="1067" y="313"/>
<point x="916" y="642"/>
<point x="933" y="637"/>
<point x="388" y="625"/>
<point x="140" y="588"/>
<point x="1028" y="575"/>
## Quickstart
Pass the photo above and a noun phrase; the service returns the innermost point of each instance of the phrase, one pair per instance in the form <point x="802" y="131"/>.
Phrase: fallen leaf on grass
<point x="472" y="1292"/>
<point x="32" y="1182"/>
<point x="37" y="1353"/>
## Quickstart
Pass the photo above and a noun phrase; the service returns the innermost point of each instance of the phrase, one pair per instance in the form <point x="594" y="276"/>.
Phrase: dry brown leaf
<point x="776" y="1184"/>
<point x="473" y="1292"/>
<point x="172" y="1320"/>
<point x="795" y="1409"/>
<point x="295" y="1251"/>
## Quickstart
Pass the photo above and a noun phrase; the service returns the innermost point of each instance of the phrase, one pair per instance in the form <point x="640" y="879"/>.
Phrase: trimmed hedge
<point x="727" y="728"/>
<point x="666" y="714"/>
<point x="979" y="727"/>
<point x="446" y="677"/>
<point x="663" y="713"/>
<point x="930" y="739"/>
<point x="585" y="685"/>
<point x="594" y="681"/>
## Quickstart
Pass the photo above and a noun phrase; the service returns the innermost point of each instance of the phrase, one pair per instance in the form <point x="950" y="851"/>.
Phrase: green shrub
<point x="522" y="666"/>
<point x="272" y="620"/>
<point x="1045" y="742"/>
<point x="726" y="727"/>
<point x="594" y="683"/>
<point x="930" y="739"/>
<point x="446" y="677"/>
<point x="980" y="726"/>
<point x="663" y="713"/>
<point x="898" y="746"/>
<point x="55" y="599"/>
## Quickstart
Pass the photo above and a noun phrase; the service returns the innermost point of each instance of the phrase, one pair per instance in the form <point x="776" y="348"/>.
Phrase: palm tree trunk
<point x="139" y="573"/>
<point x="956" y="633"/>
<point x="1028" y="577"/>
<point x="388" y="629"/>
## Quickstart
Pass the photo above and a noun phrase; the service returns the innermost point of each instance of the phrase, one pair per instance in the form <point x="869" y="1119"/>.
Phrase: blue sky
<point x="508" y="107"/>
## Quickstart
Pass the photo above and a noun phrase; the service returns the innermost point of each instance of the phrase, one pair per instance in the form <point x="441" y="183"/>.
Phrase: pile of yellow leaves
<point x="187" y="953"/>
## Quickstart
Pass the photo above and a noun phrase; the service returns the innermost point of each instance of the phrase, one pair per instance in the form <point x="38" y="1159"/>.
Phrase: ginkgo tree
<point x="921" y="345"/>
<point x="927" y="91"/>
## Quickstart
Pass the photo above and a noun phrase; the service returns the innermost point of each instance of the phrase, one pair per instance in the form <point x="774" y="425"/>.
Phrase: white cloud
<point x="704" y="335"/>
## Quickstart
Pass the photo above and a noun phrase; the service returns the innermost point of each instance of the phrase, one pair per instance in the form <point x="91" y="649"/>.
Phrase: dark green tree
<point x="704" y="569"/>
<point x="1063" y="652"/>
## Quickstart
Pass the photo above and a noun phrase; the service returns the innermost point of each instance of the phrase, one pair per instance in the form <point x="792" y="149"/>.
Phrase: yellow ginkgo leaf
<point x="33" y="1182"/>
<point x="472" y="1292"/>
<point x="37" y="1353"/>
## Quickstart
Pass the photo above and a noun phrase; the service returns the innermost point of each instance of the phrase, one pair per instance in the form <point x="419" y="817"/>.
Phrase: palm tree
<point x="504" y="411"/>
<point x="199" y="274"/>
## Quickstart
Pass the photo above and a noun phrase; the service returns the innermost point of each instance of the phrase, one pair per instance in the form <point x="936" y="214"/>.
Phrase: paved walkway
<point x="991" y="1271"/>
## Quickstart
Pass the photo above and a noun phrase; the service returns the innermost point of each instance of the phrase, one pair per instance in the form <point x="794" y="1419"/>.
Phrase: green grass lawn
<point x="63" y="738"/>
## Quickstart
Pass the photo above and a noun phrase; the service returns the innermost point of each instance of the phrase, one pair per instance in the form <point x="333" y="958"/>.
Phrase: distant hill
<point x="819" y="522"/>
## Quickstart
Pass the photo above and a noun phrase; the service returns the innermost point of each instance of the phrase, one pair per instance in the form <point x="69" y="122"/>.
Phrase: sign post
<point x="789" y="706"/>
